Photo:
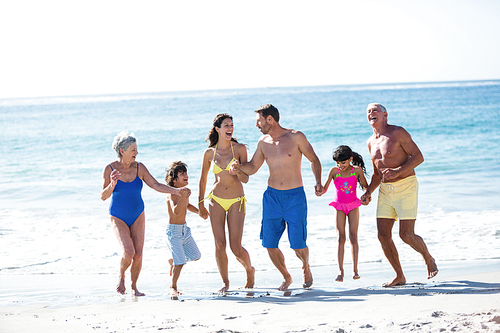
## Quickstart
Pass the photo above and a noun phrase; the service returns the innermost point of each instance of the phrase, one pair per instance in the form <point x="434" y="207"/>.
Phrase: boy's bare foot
<point x="286" y="283"/>
<point x="340" y="278"/>
<point x="171" y="262"/>
<point x="250" y="279"/>
<point x="432" y="268"/>
<point x="398" y="281"/>
<point x="174" y="291"/>
<point x="120" y="288"/>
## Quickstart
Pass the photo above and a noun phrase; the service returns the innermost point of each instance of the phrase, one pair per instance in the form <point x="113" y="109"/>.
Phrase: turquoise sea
<point x="52" y="220"/>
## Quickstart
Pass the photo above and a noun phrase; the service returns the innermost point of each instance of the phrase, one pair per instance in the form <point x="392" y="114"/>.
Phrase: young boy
<point x="180" y="242"/>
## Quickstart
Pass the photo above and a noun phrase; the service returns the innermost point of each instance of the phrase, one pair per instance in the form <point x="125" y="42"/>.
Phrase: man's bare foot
<point x="356" y="276"/>
<point x="432" y="268"/>
<point x="171" y="262"/>
<point x="396" y="282"/>
<point x="174" y="291"/>
<point x="340" y="278"/>
<point x="308" y="278"/>
<point x="284" y="286"/>
<point x="250" y="279"/>
<point x="120" y="288"/>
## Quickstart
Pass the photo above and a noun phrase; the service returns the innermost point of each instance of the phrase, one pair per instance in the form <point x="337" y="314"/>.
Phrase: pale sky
<point x="71" y="47"/>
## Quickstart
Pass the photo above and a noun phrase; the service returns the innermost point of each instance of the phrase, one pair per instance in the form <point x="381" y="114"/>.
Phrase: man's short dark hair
<point x="269" y="110"/>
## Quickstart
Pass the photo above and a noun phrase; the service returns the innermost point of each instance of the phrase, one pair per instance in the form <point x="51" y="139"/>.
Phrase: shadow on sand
<point x="357" y="295"/>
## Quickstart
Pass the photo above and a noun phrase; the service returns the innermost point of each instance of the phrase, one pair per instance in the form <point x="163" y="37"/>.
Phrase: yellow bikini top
<point x="217" y="169"/>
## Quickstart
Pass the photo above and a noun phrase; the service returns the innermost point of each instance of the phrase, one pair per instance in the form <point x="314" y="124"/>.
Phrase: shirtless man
<point x="284" y="201"/>
<point x="395" y="156"/>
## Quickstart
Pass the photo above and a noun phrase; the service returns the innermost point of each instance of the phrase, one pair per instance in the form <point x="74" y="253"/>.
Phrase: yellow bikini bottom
<point x="227" y="203"/>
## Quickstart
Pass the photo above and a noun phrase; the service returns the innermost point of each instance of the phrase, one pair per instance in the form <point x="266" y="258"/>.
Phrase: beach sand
<point x="451" y="302"/>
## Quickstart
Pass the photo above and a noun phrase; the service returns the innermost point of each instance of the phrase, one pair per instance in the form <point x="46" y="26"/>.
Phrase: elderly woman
<point x="226" y="201"/>
<point x="122" y="181"/>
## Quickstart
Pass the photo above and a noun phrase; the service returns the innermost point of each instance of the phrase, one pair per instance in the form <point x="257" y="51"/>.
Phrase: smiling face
<point x="376" y="115"/>
<point x="226" y="129"/>
<point x="181" y="180"/>
<point x="343" y="165"/>
<point x="130" y="153"/>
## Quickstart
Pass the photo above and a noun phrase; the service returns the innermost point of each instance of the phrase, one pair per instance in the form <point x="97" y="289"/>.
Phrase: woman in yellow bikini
<point x="227" y="200"/>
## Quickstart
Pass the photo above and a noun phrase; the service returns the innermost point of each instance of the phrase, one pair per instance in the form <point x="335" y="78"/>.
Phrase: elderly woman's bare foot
<point x="137" y="292"/>
<point x="120" y="288"/>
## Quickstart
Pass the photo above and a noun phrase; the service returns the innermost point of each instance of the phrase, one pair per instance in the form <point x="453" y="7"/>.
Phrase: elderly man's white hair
<point x="379" y="105"/>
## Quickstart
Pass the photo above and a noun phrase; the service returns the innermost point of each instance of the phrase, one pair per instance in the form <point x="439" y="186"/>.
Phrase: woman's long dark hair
<point x="343" y="153"/>
<point x="213" y="136"/>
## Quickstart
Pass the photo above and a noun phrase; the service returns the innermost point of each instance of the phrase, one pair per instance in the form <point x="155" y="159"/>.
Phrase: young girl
<point x="345" y="178"/>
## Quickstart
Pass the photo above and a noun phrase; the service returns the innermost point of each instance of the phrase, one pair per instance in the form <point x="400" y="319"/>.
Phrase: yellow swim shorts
<point x="398" y="200"/>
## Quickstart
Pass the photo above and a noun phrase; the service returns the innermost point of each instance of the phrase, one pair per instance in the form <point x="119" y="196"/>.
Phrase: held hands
<point x="366" y="198"/>
<point x="319" y="190"/>
<point x="202" y="211"/>
<point x="234" y="169"/>
<point x="184" y="192"/>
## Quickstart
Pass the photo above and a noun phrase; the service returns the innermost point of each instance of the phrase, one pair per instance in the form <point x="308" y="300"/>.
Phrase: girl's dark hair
<point x="173" y="172"/>
<point x="343" y="153"/>
<point x="213" y="137"/>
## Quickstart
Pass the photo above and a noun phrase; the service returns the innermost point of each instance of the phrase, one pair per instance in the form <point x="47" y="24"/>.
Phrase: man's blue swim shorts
<point x="281" y="208"/>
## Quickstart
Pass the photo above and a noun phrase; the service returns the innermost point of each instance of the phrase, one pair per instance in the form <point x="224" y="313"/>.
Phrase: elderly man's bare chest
<point x="385" y="148"/>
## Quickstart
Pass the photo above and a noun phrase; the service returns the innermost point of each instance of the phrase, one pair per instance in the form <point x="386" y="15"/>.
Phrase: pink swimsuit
<point x="346" y="199"/>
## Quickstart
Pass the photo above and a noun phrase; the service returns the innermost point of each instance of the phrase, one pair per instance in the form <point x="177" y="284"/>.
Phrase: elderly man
<point x="395" y="156"/>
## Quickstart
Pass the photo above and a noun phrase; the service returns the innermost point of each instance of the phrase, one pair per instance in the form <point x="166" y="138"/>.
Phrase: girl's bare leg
<point x="341" y="218"/>
<point x="353" y="217"/>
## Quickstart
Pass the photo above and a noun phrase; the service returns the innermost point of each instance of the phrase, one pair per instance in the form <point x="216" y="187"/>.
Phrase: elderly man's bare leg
<point x="407" y="234"/>
<point x="384" y="227"/>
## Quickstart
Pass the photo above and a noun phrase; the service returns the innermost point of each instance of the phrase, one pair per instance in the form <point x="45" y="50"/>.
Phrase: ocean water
<point x="52" y="220"/>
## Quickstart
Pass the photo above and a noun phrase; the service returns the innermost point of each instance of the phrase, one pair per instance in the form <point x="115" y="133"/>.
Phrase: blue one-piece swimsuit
<point x="126" y="202"/>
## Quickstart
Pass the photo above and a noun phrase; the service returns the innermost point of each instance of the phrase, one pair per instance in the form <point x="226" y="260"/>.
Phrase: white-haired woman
<point x="122" y="180"/>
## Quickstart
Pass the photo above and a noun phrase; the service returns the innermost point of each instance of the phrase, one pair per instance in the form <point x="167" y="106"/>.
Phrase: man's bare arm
<point x="254" y="164"/>
<point x="306" y="148"/>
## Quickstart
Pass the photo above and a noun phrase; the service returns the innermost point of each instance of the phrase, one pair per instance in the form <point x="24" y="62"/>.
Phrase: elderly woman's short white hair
<point x="122" y="141"/>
